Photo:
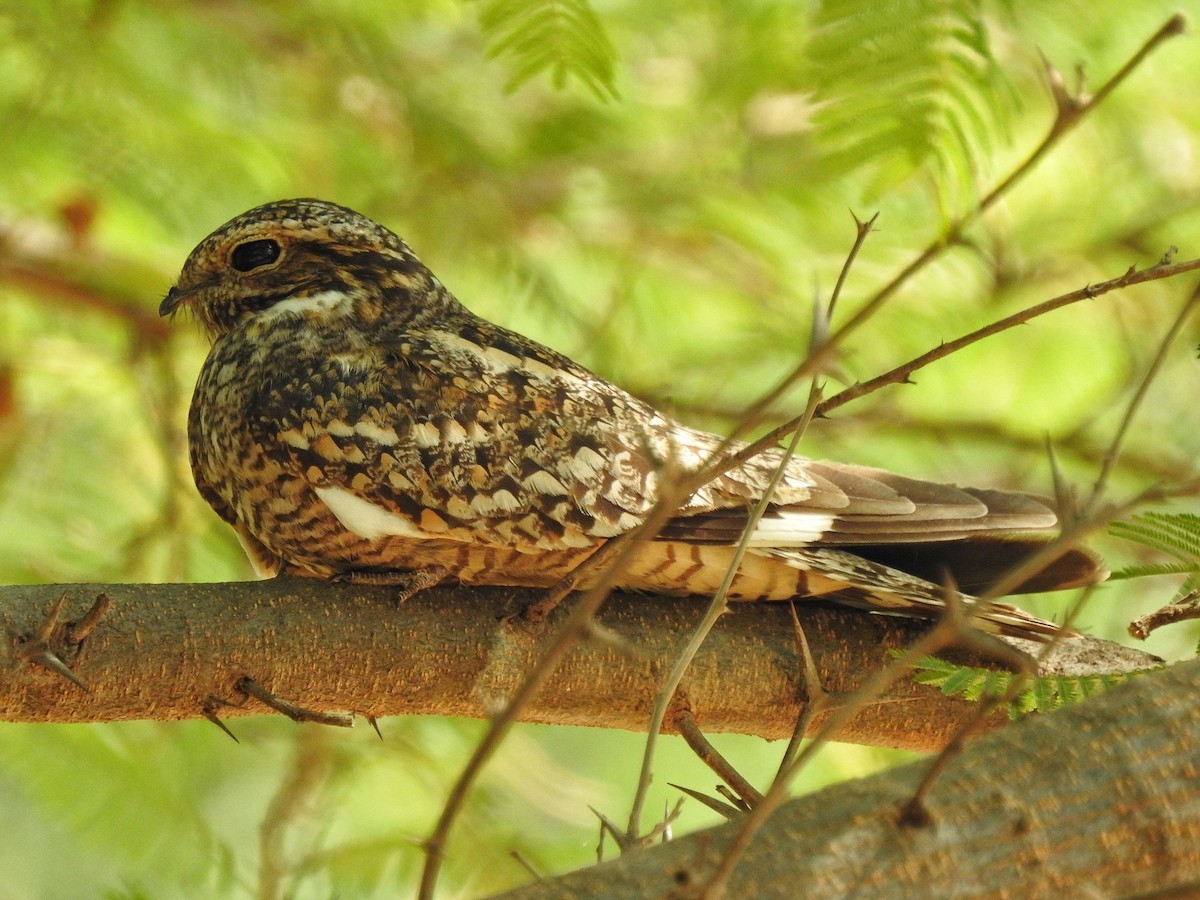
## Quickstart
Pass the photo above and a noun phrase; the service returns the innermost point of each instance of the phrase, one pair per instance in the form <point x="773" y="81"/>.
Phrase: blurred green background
<point x="661" y="191"/>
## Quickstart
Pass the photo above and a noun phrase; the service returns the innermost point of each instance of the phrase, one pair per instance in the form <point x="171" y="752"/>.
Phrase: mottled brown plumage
<point x="353" y="418"/>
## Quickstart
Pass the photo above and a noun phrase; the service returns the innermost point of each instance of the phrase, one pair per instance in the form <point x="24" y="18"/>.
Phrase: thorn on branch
<point x="49" y="660"/>
<point x="251" y="688"/>
<point x="865" y="226"/>
<point x="609" y="827"/>
<point x="626" y="842"/>
<point x="741" y="804"/>
<point x="209" y="710"/>
<point x="1067" y="105"/>
<point x="663" y="827"/>
<point x="52" y="640"/>
<point x="79" y="631"/>
<point x="816" y="698"/>
<point x="728" y="810"/>
<point x="524" y="862"/>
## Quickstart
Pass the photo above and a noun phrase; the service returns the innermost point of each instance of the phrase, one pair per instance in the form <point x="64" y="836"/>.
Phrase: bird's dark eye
<point x="253" y="254"/>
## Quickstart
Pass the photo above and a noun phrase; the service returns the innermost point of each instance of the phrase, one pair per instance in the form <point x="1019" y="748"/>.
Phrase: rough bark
<point x="1101" y="799"/>
<point x="161" y="650"/>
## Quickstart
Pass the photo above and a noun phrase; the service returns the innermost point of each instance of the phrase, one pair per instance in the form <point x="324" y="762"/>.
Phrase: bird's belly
<point x="661" y="567"/>
<point x="682" y="569"/>
<point x="468" y="562"/>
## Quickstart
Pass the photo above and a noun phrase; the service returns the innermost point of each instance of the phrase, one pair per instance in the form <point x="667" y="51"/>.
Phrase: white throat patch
<point x="336" y="302"/>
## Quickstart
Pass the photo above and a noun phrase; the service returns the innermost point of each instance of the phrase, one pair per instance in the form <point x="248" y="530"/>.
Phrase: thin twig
<point x="715" y="609"/>
<point x="1183" y="609"/>
<point x="685" y="723"/>
<point x="901" y="374"/>
<point x="1114" y="448"/>
<point x="862" y="230"/>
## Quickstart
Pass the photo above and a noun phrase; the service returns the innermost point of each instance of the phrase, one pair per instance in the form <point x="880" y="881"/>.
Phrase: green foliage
<point x="906" y="83"/>
<point x="1175" y="534"/>
<point x="564" y="37"/>
<point x="1043" y="693"/>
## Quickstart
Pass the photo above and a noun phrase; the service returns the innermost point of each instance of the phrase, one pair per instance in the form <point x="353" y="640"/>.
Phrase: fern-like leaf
<point x="1042" y="694"/>
<point x="562" y="37"/>
<point x="1175" y="534"/>
<point x="1151" y="569"/>
<point x="904" y="83"/>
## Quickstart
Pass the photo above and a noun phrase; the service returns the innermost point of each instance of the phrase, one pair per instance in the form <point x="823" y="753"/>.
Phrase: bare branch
<point x="161" y="650"/>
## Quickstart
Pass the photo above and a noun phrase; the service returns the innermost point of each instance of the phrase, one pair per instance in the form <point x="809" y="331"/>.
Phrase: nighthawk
<point x="354" y="420"/>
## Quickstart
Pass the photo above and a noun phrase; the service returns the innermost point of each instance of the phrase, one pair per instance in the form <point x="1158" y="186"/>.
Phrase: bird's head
<point x="305" y="258"/>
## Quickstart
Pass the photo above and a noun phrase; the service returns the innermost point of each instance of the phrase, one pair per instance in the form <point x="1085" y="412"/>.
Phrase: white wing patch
<point x="365" y="518"/>
<point x="786" y="528"/>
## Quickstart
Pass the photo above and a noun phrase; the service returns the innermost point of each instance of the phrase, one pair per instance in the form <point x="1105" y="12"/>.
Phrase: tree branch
<point x="160" y="651"/>
<point x="1100" y="796"/>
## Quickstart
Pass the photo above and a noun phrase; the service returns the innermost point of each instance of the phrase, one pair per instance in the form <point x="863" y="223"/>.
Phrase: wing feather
<point x="485" y="437"/>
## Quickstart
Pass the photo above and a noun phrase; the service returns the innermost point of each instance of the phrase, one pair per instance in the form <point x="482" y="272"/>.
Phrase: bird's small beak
<point x="174" y="299"/>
